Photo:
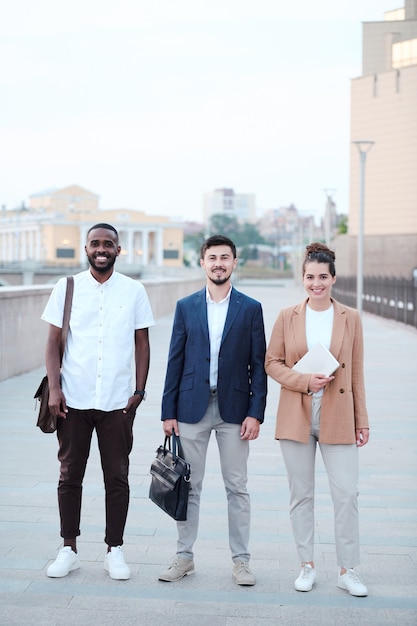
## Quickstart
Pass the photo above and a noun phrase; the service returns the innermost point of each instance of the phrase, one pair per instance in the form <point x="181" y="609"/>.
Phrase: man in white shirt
<point x="215" y="381"/>
<point x="94" y="389"/>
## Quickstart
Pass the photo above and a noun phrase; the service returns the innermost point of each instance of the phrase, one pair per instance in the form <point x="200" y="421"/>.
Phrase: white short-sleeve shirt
<point x="97" y="370"/>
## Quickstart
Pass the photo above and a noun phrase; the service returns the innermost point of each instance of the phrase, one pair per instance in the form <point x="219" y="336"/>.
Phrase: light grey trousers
<point x="234" y="454"/>
<point x="341" y="463"/>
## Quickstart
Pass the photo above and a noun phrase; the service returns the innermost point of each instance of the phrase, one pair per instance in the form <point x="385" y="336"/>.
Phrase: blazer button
<point x="207" y="381"/>
<point x="341" y="391"/>
<point x="343" y="365"/>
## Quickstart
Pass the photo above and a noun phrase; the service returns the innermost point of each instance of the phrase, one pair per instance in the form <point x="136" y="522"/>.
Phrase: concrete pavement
<point x="29" y="524"/>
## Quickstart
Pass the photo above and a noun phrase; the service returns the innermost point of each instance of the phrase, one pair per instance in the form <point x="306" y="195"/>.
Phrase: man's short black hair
<point x="106" y="226"/>
<point x="217" y="240"/>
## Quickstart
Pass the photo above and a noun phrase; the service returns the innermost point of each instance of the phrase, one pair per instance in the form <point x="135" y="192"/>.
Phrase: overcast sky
<point x="152" y="103"/>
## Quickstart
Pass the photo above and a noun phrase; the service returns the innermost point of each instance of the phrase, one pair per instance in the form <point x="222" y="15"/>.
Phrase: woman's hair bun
<point x="319" y="248"/>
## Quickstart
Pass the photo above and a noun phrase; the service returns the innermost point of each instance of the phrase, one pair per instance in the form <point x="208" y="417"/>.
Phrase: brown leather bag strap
<point x="67" y="313"/>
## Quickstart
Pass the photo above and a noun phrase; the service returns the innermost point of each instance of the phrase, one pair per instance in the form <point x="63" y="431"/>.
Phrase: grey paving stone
<point x="29" y="535"/>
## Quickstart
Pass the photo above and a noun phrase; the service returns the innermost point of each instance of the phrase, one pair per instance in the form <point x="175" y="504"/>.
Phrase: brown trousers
<point x="115" y="439"/>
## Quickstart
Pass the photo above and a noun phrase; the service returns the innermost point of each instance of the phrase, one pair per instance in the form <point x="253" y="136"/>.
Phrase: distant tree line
<point x="244" y="235"/>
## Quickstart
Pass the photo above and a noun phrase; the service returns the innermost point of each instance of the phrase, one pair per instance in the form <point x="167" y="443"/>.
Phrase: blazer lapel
<point x="201" y="311"/>
<point x="339" y="324"/>
<point x="299" y="328"/>
<point x="232" y="311"/>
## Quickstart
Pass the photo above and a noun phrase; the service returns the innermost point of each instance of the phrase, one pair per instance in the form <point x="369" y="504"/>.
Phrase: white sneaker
<point x="66" y="561"/>
<point x="307" y="578"/>
<point x="350" y="582"/>
<point x="114" y="563"/>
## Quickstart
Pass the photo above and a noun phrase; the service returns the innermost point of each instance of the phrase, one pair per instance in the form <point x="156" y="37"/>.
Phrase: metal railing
<point x="393" y="298"/>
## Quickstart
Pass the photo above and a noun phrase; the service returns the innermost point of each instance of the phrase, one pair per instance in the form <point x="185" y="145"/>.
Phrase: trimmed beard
<point x="219" y="281"/>
<point x="104" y="268"/>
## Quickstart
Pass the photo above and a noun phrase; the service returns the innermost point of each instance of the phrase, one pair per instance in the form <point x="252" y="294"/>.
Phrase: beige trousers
<point x="341" y="463"/>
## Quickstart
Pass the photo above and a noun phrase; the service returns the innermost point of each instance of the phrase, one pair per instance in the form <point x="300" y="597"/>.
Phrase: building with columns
<point x="52" y="231"/>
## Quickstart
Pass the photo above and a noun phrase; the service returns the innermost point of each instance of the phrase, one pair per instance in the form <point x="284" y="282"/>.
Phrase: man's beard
<point x="102" y="269"/>
<point x="219" y="280"/>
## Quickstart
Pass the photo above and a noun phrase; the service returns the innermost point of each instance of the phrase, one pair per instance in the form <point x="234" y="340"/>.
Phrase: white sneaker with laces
<point x="349" y="581"/>
<point x="66" y="561"/>
<point x="307" y="578"/>
<point x="114" y="563"/>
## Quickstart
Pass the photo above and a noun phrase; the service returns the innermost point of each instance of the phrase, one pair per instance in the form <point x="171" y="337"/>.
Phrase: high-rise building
<point x="225" y="201"/>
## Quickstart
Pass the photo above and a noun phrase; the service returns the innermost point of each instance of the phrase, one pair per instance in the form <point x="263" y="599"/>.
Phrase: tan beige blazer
<point x="343" y="406"/>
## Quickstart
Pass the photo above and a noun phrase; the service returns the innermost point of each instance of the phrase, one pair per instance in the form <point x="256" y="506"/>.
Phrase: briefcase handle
<point x="176" y="445"/>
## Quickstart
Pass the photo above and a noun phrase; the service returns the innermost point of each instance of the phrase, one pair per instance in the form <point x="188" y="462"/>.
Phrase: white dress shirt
<point x="97" y="370"/>
<point x="216" y="318"/>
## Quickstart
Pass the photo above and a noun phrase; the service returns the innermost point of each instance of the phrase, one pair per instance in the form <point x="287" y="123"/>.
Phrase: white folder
<point x="318" y="360"/>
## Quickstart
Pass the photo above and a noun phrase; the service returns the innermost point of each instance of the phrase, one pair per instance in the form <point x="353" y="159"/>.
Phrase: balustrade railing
<point x="393" y="298"/>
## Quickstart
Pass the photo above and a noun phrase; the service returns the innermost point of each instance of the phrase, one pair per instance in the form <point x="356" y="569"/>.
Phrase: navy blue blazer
<point x="241" y="384"/>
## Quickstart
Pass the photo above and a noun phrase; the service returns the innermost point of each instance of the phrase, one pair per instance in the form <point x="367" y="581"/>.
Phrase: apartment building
<point x="225" y="201"/>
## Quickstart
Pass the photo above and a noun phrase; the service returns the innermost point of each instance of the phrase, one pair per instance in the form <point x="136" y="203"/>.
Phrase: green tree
<point x="243" y="234"/>
<point x="342" y="226"/>
<point x="249" y="234"/>
<point x="222" y="224"/>
<point x="192" y="242"/>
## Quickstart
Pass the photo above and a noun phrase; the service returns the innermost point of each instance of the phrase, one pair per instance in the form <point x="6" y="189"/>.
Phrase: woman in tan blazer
<point x="318" y="409"/>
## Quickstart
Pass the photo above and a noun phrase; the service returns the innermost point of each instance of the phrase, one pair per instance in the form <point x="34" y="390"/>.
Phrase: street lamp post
<point x="327" y="215"/>
<point x="363" y="147"/>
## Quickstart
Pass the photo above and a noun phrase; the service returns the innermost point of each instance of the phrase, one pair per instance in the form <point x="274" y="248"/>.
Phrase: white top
<point x="216" y="318"/>
<point x="319" y="326"/>
<point x="97" y="370"/>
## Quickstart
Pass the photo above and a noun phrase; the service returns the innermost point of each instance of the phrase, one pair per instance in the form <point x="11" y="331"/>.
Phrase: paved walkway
<point x="29" y="537"/>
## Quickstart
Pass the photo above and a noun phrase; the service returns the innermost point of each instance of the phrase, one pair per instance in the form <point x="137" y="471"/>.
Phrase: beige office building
<point x="52" y="231"/>
<point x="384" y="111"/>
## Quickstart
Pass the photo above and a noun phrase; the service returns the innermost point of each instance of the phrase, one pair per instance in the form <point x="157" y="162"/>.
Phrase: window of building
<point x="404" y="53"/>
<point x="171" y="254"/>
<point x="65" y="253"/>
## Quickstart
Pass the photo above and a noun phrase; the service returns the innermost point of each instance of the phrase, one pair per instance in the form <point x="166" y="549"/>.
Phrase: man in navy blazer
<point x="216" y="381"/>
